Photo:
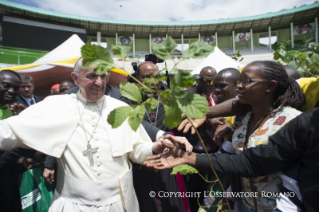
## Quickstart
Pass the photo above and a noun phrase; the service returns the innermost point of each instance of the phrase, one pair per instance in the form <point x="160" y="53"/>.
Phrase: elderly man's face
<point x="92" y="86"/>
<point x="9" y="87"/>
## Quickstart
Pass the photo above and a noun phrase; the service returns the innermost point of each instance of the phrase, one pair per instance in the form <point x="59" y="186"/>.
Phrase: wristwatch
<point x="21" y="159"/>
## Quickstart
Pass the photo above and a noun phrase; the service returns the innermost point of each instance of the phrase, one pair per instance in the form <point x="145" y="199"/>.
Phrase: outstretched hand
<point x="16" y="109"/>
<point x="222" y="131"/>
<point x="185" y="125"/>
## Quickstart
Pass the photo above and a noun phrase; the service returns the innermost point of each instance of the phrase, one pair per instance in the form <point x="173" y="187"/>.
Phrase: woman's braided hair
<point x="287" y="92"/>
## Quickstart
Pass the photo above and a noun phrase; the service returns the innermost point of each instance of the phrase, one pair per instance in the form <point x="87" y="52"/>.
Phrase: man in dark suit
<point x="26" y="96"/>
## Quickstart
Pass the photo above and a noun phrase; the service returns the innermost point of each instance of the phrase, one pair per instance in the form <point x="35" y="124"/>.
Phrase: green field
<point x="10" y="55"/>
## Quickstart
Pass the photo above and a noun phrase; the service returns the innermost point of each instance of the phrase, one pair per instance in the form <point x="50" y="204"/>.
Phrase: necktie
<point x="209" y="101"/>
<point x="31" y="102"/>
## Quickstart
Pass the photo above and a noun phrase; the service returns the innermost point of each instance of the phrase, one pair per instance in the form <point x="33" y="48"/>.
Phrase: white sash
<point x="99" y="193"/>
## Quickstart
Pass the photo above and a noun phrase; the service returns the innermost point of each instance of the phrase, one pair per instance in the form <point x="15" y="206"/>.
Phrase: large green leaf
<point x="184" y="169"/>
<point x="193" y="105"/>
<point x="170" y="44"/>
<point x="118" y="116"/>
<point x="121" y="51"/>
<point x="184" y="79"/>
<point x="91" y="53"/>
<point x="136" y="117"/>
<point x="161" y="51"/>
<point x="164" y="95"/>
<point x="101" y="66"/>
<point x="131" y="91"/>
<point x="150" y="104"/>
<point x="165" y="49"/>
<point x="172" y="115"/>
<point x="198" y="50"/>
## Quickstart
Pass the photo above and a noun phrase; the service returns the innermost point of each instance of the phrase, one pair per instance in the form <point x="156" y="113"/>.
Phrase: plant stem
<point x="147" y="88"/>
<point x="210" y="163"/>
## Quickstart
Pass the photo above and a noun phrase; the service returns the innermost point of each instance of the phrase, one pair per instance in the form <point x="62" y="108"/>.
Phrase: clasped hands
<point x="173" y="154"/>
<point x="165" y="142"/>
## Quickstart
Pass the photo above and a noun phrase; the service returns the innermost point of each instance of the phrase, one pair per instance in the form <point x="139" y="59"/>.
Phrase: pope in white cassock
<point x="94" y="172"/>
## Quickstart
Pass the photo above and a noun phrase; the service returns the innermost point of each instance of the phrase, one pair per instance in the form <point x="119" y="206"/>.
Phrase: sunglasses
<point x="207" y="81"/>
<point x="248" y="81"/>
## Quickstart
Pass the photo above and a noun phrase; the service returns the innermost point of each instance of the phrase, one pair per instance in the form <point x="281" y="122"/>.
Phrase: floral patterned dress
<point x="267" y="183"/>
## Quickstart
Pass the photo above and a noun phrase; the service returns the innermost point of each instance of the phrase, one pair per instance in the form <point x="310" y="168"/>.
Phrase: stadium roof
<point x="277" y="20"/>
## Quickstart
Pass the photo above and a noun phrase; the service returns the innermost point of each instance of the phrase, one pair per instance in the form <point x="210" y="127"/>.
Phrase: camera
<point x="153" y="58"/>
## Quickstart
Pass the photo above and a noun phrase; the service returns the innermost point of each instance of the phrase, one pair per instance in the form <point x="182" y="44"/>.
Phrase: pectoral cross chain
<point x="89" y="152"/>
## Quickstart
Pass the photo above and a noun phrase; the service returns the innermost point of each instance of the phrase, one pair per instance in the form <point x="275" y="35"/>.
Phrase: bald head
<point x="229" y="73"/>
<point x="146" y="70"/>
<point x="205" y="82"/>
<point x="292" y="73"/>
<point x="208" y="72"/>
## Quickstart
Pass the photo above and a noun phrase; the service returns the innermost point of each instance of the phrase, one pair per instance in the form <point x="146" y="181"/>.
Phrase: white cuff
<point x="159" y="134"/>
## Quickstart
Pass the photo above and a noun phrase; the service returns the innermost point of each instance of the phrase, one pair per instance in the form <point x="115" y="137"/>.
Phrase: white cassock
<point x="53" y="127"/>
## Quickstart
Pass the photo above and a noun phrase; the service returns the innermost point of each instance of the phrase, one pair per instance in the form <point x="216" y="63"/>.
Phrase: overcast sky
<point x="165" y="10"/>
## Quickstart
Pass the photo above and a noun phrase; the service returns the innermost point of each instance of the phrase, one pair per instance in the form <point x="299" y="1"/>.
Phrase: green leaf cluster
<point x="175" y="101"/>
<point x="306" y="61"/>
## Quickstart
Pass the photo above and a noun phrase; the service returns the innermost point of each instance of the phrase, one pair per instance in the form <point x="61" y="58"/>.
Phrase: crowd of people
<point x="255" y="132"/>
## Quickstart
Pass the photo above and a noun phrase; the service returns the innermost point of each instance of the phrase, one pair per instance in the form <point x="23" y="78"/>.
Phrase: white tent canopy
<point x="53" y="67"/>
<point x="70" y="48"/>
<point x="218" y="60"/>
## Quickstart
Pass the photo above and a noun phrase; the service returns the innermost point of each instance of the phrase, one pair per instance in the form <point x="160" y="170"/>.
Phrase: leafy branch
<point x="175" y="101"/>
<point x="305" y="60"/>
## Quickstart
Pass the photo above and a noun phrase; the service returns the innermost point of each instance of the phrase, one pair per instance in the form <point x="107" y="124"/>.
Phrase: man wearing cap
<point x="55" y="89"/>
<point x="94" y="171"/>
